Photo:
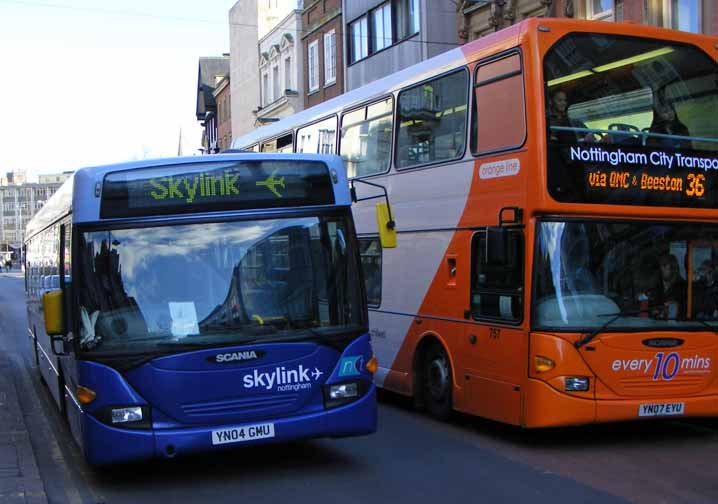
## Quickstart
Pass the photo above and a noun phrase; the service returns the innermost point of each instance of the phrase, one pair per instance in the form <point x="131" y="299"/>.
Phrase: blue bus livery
<point x="201" y="303"/>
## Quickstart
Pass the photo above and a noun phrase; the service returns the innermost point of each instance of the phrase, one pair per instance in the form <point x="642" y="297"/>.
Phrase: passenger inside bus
<point x="558" y="116"/>
<point x="705" y="293"/>
<point x="666" y="122"/>
<point x="672" y="290"/>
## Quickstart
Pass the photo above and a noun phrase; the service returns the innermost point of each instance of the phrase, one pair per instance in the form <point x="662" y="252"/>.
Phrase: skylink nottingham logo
<point x="283" y="379"/>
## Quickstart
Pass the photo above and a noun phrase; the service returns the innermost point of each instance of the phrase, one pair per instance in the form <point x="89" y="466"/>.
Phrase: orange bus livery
<point x="537" y="212"/>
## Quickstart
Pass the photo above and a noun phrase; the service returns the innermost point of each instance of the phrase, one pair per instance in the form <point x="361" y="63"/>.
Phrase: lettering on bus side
<point x="664" y="367"/>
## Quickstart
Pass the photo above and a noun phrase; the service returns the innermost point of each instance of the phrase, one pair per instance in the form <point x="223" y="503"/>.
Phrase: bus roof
<point x="78" y="195"/>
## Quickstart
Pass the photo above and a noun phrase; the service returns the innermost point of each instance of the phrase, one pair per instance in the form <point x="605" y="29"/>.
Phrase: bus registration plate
<point x="241" y="434"/>
<point x="661" y="409"/>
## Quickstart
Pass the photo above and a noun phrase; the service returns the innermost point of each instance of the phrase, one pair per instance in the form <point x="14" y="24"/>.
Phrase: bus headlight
<point x="343" y="391"/>
<point x="124" y="415"/>
<point x="576" y="383"/>
<point x="338" y="394"/>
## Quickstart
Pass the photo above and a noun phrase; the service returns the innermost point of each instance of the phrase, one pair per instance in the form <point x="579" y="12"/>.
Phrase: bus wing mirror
<point x="387" y="227"/>
<point x="52" y="308"/>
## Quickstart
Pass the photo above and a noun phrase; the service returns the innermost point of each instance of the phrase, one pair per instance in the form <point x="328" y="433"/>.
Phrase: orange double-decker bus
<point x="548" y="252"/>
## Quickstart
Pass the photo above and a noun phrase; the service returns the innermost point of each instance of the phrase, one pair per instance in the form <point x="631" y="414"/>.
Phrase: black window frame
<point x="519" y="291"/>
<point x="474" y="131"/>
<point x="350" y="39"/>
<point x="337" y="133"/>
<point x="397" y="122"/>
<point x="395" y="39"/>
<point x="372" y="238"/>
<point x="365" y="106"/>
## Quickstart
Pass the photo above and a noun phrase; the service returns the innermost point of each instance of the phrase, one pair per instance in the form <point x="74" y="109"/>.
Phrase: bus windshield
<point x="631" y="121"/>
<point x="156" y="288"/>
<point x="649" y="276"/>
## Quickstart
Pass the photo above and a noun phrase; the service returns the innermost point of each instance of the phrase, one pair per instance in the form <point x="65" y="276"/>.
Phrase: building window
<point x="684" y="15"/>
<point x="330" y="58"/>
<point x="600" y="9"/>
<point x="275" y="83"/>
<point x="381" y="33"/>
<point x="265" y="88"/>
<point x="288" y="72"/>
<point x="406" y="14"/>
<point x="313" y="58"/>
<point x="359" y="39"/>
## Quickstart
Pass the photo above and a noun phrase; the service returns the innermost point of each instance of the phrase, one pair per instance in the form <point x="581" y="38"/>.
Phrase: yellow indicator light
<point x="85" y="395"/>
<point x="543" y="364"/>
<point x="372" y="365"/>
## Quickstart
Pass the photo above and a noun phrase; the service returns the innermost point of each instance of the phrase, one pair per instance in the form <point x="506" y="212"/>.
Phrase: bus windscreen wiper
<point x="614" y="316"/>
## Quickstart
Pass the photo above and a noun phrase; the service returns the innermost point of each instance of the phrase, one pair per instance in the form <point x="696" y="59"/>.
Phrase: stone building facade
<point x="479" y="18"/>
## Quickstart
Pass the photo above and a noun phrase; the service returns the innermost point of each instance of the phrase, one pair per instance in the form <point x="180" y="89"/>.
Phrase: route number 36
<point x="695" y="185"/>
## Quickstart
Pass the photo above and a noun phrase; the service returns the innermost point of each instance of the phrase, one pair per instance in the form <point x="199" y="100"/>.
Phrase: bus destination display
<point x="216" y="187"/>
<point x="610" y="174"/>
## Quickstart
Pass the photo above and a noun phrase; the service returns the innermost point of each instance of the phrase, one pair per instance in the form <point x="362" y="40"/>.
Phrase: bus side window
<point x="497" y="281"/>
<point x="432" y="121"/>
<point x="370" y="251"/>
<point x="283" y="144"/>
<point x="499" y="116"/>
<point x="318" y="138"/>
<point x="366" y="138"/>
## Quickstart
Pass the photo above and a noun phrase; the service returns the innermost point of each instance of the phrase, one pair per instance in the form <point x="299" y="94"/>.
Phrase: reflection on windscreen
<point x="216" y="283"/>
<point x="649" y="276"/>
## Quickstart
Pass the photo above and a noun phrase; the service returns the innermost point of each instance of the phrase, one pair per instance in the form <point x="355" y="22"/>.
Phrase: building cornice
<point x="295" y="12"/>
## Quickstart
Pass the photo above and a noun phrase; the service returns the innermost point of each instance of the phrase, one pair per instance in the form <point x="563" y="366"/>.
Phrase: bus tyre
<point x="437" y="382"/>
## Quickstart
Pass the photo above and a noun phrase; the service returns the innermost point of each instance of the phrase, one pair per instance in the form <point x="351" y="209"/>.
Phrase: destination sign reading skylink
<point x="205" y="187"/>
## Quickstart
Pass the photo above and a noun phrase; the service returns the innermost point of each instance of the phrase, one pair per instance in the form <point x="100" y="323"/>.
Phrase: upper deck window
<point x="432" y="121"/>
<point x="631" y="121"/>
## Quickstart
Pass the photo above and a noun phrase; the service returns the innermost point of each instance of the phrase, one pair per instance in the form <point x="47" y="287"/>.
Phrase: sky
<point x="87" y="82"/>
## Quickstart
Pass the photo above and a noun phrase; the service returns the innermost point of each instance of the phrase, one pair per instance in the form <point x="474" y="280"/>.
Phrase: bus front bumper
<point x="107" y="445"/>
<point x="544" y="406"/>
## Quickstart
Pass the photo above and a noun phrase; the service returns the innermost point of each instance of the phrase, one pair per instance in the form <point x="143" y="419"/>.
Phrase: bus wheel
<point x="437" y="382"/>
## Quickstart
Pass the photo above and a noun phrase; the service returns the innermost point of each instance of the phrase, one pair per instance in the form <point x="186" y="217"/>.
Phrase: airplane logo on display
<point x="316" y="373"/>
<point x="271" y="183"/>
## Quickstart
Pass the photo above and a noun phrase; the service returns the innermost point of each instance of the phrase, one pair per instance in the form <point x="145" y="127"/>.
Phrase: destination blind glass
<point x="207" y="187"/>
<point x="631" y="121"/>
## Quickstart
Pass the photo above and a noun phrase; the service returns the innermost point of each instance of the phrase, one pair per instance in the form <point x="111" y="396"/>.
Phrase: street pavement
<point x="20" y="480"/>
<point x="411" y="458"/>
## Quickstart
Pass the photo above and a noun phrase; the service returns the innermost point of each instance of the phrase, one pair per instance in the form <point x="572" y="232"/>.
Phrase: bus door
<point x="64" y="346"/>
<point x="495" y="347"/>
